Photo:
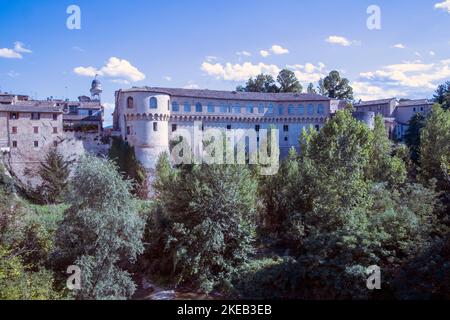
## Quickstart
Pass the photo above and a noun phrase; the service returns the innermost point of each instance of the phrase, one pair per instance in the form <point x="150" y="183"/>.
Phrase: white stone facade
<point x="148" y="118"/>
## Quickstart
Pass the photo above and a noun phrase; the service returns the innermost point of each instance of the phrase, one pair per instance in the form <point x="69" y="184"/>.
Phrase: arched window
<point x="153" y="103"/>
<point x="270" y="109"/>
<point x="280" y="109"/>
<point x="310" y="109"/>
<point x="175" y="107"/>
<point x="187" y="107"/>
<point x="291" y="109"/>
<point x="250" y="108"/>
<point x="261" y="108"/>
<point x="301" y="109"/>
<point x="130" y="103"/>
<point x="198" y="107"/>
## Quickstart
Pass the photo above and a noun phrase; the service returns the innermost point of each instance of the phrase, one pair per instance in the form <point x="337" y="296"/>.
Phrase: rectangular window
<point x="36" y="130"/>
<point x="55" y="130"/>
<point x="55" y="116"/>
<point x="257" y="128"/>
<point x="198" y="108"/>
<point x="155" y="126"/>
<point x="286" y="128"/>
<point x="210" y="108"/>
<point x="14" y="130"/>
<point x="36" y="144"/>
<point x="317" y="127"/>
<point x="14" y="144"/>
<point x="174" y="127"/>
<point x="250" y="109"/>
<point x="35" y="116"/>
<point x="223" y="109"/>
<point x="310" y="109"/>
<point x="237" y="109"/>
<point x="13" y="116"/>
<point x="175" y="107"/>
<point x="270" y="109"/>
<point x="187" y="107"/>
<point x="228" y="126"/>
<point x="320" y="109"/>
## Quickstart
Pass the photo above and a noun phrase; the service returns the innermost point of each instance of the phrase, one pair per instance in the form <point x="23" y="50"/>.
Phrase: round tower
<point x="96" y="89"/>
<point x="146" y="125"/>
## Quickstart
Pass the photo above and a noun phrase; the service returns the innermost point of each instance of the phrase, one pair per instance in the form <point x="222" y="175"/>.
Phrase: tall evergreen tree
<point x="412" y="136"/>
<point x="336" y="87"/>
<point x="311" y="88"/>
<point x="289" y="82"/>
<point x="54" y="172"/>
<point x="442" y="95"/>
<point x="383" y="165"/>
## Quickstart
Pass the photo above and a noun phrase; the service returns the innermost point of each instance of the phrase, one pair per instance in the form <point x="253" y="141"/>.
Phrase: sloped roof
<point x="232" y="95"/>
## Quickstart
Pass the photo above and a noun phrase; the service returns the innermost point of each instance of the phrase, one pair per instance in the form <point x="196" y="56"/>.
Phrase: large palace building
<point x="148" y="118"/>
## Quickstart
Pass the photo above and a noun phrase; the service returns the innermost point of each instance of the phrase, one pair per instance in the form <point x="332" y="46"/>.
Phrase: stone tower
<point x="96" y="89"/>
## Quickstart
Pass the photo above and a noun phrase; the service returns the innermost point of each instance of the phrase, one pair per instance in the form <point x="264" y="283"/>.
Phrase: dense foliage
<point x="101" y="231"/>
<point x="205" y="224"/>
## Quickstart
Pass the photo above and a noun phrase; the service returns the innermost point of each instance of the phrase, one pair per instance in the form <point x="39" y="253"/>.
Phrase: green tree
<point x="54" y="172"/>
<point x="435" y="148"/>
<point x="383" y="165"/>
<point x="124" y="157"/>
<point x="412" y="136"/>
<point x="442" y="95"/>
<point x="289" y="82"/>
<point x="262" y="83"/>
<point x="336" y="87"/>
<point x="101" y="231"/>
<point x="19" y="283"/>
<point x="204" y="225"/>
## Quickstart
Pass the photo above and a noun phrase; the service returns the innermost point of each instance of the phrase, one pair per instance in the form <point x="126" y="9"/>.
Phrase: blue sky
<point x="217" y="44"/>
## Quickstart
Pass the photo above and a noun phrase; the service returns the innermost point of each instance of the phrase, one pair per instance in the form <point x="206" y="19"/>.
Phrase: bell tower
<point x="96" y="89"/>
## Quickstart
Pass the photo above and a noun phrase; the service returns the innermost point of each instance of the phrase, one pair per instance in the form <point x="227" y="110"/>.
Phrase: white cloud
<point x="120" y="81"/>
<point x="13" y="74"/>
<point x="109" y="109"/>
<point x="79" y="49"/>
<point x="168" y="78"/>
<point x="399" y="46"/>
<point x="238" y="72"/>
<point x="443" y="5"/>
<point x="115" y="68"/>
<point x="338" y="40"/>
<point x="418" y="54"/>
<point x="244" y="53"/>
<point x="411" y="75"/>
<point x="264" y="53"/>
<point x="191" y="86"/>
<point x="15" y="53"/>
<point x="366" y="91"/>
<point x="432" y="53"/>
<point x="276" y="49"/>
<point x="211" y="58"/>
<point x="19" y="47"/>
<point x="86" y="71"/>
<point x="308" y="72"/>
<point x="9" y="54"/>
